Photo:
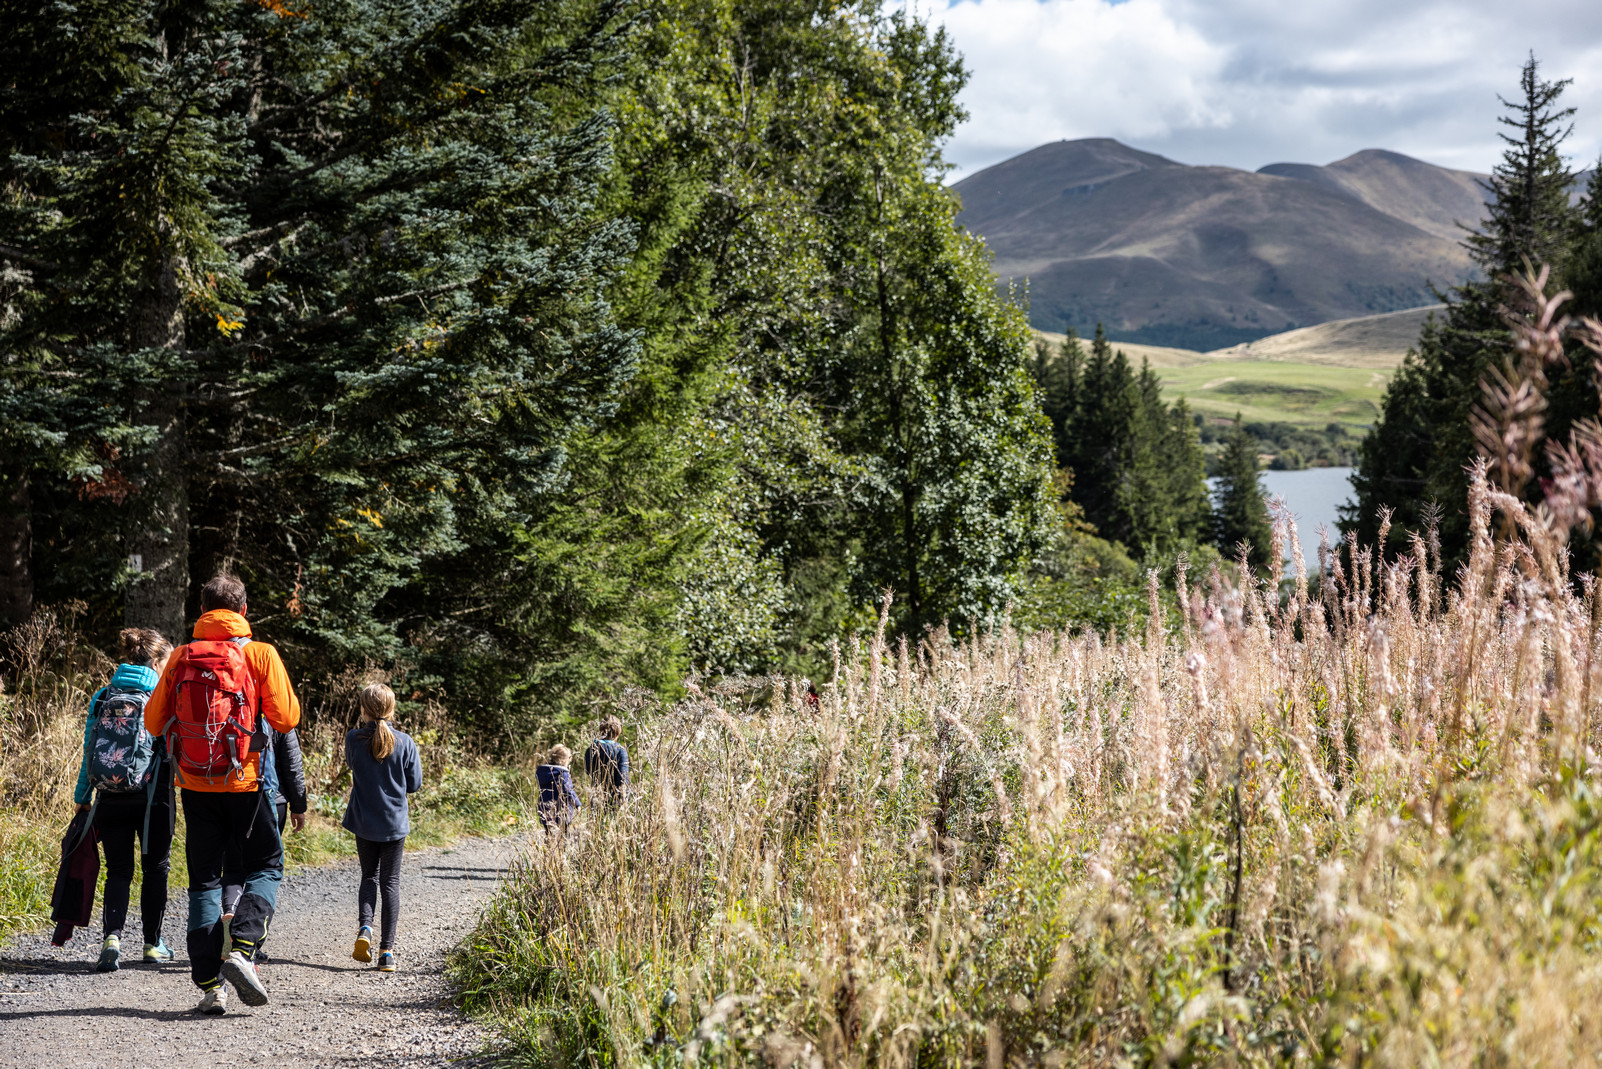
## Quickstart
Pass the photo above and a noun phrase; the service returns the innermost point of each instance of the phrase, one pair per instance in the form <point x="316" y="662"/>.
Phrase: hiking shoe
<point x="157" y="952"/>
<point x="386" y="961"/>
<point x="110" y="951"/>
<point x="241" y="972"/>
<point x="363" y="951"/>
<point x="214" y="1003"/>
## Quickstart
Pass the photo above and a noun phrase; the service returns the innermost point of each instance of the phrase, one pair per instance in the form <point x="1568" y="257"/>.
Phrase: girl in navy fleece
<point x="384" y="769"/>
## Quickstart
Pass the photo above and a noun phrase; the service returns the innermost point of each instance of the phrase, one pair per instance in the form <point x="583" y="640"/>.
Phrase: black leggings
<point x="381" y="864"/>
<point x="121" y="821"/>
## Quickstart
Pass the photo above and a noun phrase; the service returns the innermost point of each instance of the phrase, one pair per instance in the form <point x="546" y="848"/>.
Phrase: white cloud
<point x="1250" y="82"/>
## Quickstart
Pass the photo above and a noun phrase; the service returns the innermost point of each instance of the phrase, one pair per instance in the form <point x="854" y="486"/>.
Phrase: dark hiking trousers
<point x="215" y="821"/>
<point x="120" y="821"/>
<point x="381" y="864"/>
<point x="233" y="884"/>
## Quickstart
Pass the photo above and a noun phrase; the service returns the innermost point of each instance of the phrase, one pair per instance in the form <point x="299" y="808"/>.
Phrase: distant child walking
<point x="559" y="800"/>
<point x="384" y="769"/>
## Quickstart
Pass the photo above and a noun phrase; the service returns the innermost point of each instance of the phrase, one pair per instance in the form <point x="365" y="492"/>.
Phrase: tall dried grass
<point x="41" y="741"/>
<point x="1354" y="824"/>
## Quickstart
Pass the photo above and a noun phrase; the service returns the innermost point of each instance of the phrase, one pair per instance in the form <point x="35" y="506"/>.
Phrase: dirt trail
<point x="326" y="1009"/>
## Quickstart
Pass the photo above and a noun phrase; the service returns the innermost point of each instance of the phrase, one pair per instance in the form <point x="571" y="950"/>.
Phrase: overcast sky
<point x="1250" y="82"/>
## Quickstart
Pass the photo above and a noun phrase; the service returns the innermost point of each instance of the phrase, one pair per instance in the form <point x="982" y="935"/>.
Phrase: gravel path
<point x="326" y="1009"/>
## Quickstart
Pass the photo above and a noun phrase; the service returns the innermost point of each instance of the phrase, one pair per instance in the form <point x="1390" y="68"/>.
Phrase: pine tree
<point x="339" y="276"/>
<point x="1242" y="514"/>
<point x="1415" y="458"/>
<point x="1528" y="217"/>
<point x="1138" y="470"/>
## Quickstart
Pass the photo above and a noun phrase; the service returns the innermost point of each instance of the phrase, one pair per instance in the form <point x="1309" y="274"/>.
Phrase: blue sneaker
<point x="110" y="951"/>
<point x="386" y="961"/>
<point x="363" y="950"/>
<point x="158" y="952"/>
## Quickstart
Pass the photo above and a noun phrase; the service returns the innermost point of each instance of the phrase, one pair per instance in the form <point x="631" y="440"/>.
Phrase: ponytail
<point x="378" y="705"/>
<point x="142" y="646"/>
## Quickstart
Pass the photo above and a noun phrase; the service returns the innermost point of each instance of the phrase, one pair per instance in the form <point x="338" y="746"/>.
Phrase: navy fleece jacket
<point x="377" y="809"/>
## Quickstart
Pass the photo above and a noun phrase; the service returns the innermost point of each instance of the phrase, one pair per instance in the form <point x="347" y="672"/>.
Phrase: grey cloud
<point x="1250" y="82"/>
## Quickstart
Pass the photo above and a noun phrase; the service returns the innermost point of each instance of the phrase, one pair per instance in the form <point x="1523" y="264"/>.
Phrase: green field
<point x="1312" y="395"/>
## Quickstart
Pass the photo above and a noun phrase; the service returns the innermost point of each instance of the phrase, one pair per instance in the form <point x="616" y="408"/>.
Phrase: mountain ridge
<point x="1205" y="257"/>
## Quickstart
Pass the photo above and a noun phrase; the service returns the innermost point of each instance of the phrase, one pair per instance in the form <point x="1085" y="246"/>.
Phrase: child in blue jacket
<point x="121" y="814"/>
<point x="384" y="769"/>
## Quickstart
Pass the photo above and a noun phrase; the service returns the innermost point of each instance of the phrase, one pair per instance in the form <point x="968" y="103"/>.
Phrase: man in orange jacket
<point x="226" y="809"/>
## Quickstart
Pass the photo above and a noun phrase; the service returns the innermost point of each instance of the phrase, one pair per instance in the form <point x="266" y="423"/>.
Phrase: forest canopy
<point x="536" y="351"/>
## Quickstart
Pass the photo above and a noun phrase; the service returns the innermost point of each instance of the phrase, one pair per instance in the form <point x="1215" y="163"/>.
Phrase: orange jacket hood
<point x="221" y="623"/>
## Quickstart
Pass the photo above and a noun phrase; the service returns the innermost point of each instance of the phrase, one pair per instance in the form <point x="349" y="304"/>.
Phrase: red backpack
<point x="215" y="707"/>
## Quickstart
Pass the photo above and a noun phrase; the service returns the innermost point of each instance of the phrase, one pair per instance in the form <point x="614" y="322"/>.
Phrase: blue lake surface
<point x="1314" y="495"/>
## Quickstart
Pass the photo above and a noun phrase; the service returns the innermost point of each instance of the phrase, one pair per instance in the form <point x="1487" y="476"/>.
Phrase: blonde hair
<point x="378" y="705"/>
<point x="560" y="755"/>
<point x="141" y="645"/>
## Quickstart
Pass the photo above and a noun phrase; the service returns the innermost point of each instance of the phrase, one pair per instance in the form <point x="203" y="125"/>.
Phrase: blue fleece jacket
<point x="377" y="808"/>
<point x="127" y="677"/>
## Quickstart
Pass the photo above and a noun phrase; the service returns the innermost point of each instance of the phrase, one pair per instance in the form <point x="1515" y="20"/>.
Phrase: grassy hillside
<point x="1335" y="372"/>
<point x="1355" y="826"/>
<point x="1265" y="391"/>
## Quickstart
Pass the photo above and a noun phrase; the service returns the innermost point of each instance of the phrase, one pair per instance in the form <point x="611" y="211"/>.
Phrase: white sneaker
<point x="214" y="1003"/>
<point x="241" y="972"/>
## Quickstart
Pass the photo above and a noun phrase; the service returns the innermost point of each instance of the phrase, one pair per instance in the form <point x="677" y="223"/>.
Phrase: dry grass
<point x="1356" y="826"/>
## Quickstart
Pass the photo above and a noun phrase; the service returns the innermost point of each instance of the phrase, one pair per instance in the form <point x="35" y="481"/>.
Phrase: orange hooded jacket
<point x="279" y="706"/>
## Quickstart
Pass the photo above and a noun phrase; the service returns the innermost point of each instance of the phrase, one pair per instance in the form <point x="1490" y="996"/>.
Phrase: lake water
<point x="1314" y="495"/>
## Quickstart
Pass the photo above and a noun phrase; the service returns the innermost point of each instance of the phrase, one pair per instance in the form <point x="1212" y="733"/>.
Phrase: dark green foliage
<point x="1294" y="447"/>
<point x="1528" y="217"/>
<point x="540" y="350"/>
<point x="872" y="425"/>
<point x="1241" y="514"/>
<point x="1138" y="468"/>
<point x="333" y="285"/>
<point x="1414" y="461"/>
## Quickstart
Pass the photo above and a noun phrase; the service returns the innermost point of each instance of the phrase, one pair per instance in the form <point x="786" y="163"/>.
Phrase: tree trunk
<point x="16" y="549"/>
<point x="157" y="538"/>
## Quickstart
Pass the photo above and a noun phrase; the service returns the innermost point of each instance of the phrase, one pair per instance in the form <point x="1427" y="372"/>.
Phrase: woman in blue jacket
<point x="384" y="769"/>
<point x="116" y="750"/>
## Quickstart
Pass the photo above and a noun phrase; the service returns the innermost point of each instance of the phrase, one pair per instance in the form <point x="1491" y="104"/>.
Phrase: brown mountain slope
<point x="1199" y="257"/>
<point x="1434" y="199"/>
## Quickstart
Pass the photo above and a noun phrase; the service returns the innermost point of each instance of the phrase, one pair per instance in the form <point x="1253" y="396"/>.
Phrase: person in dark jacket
<point x="121" y="817"/>
<point x="559" y="800"/>
<point x="283" y="778"/>
<point x="607" y="762"/>
<point x="384" y="769"/>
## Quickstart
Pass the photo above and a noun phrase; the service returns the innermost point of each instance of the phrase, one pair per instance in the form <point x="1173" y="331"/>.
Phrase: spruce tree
<point x="1138" y="472"/>
<point x="1416" y="456"/>
<point x="338" y="277"/>
<point x="1241" y="513"/>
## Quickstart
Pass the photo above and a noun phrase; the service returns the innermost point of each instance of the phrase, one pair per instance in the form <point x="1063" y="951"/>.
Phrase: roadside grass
<point x="1351" y="824"/>
<point x="53" y="674"/>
